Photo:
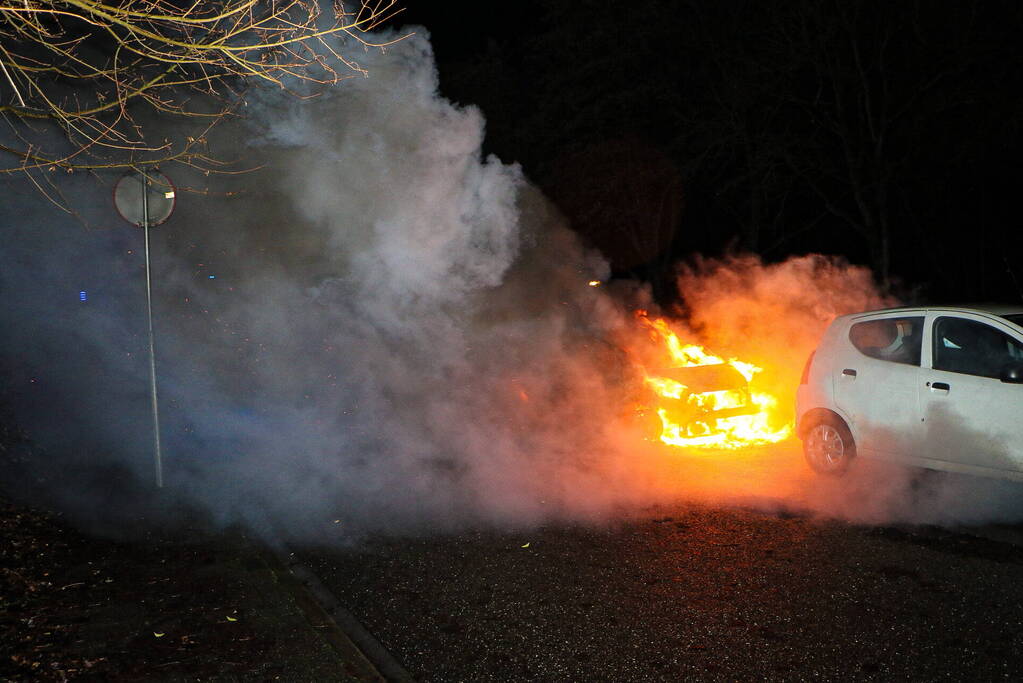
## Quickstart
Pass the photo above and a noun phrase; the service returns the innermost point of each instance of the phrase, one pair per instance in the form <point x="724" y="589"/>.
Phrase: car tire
<point x="828" y="446"/>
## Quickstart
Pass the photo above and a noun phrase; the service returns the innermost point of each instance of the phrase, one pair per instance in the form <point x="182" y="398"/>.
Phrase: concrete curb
<point x="350" y="638"/>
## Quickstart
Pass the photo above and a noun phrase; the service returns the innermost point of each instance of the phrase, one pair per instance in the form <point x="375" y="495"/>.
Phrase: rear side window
<point x="897" y="340"/>
<point x="973" y="348"/>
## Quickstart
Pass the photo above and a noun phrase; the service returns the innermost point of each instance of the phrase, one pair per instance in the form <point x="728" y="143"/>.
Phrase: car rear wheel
<point x="829" y="447"/>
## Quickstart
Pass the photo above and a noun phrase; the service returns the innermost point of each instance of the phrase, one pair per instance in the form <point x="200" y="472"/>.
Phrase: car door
<point x="876" y="374"/>
<point x="969" y="415"/>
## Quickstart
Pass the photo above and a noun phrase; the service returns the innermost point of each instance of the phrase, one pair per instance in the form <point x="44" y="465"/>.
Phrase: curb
<point x="368" y="659"/>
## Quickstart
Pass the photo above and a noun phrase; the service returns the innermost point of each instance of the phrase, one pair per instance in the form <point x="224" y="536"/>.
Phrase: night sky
<point x="884" y="132"/>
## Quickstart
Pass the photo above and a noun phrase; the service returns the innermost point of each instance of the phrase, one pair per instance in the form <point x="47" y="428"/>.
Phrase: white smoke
<point x="382" y="327"/>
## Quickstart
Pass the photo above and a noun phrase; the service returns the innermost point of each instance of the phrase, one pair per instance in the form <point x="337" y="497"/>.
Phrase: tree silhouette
<point x="869" y="128"/>
<point x="92" y="71"/>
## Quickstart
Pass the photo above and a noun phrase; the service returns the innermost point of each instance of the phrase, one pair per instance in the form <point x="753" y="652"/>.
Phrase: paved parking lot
<point x="787" y="577"/>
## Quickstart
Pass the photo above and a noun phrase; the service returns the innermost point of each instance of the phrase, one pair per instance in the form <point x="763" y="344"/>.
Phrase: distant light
<point x="83" y="296"/>
<point x="594" y="283"/>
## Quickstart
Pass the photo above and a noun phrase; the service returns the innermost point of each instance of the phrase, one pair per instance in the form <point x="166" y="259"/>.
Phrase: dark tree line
<point x="885" y="131"/>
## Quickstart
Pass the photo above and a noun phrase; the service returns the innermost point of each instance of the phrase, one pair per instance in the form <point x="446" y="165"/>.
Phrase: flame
<point x="697" y="415"/>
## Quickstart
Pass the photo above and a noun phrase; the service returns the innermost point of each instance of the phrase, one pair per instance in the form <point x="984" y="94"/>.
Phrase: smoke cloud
<point x="383" y="328"/>
<point x="380" y="328"/>
<point x="772" y="315"/>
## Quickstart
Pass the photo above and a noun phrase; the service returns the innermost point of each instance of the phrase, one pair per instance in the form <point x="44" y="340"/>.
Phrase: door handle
<point x="849" y="372"/>
<point x="939" y="386"/>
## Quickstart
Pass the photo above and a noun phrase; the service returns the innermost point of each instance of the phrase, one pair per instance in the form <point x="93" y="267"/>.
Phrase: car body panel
<point x="879" y="396"/>
<point x="819" y="390"/>
<point x="977" y="421"/>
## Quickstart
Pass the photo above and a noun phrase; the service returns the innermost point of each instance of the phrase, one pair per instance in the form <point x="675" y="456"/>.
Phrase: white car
<point x="934" y="387"/>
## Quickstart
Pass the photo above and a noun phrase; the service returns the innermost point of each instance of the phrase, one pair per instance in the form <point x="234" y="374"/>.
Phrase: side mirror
<point x="1012" y="373"/>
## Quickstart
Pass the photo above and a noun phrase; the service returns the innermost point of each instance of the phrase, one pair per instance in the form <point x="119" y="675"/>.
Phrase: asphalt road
<point x="760" y="571"/>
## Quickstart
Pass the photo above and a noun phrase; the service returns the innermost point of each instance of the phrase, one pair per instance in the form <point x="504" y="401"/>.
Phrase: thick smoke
<point x="381" y="328"/>
<point x="772" y="315"/>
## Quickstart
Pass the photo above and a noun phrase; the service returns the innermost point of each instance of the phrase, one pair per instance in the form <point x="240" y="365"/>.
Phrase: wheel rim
<point x="826" y="447"/>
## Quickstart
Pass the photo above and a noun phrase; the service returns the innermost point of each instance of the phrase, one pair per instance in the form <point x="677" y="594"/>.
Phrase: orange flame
<point x="704" y="401"/>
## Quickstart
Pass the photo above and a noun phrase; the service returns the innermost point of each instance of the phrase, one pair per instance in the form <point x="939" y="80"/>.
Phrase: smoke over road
<point x="384" y="328"/>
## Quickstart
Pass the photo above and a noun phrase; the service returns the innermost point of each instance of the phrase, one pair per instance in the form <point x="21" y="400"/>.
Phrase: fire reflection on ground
<point x="774" y="472"/>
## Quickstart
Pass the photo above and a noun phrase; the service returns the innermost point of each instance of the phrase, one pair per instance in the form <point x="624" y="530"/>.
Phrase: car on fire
<point x="695" y="409"/>
<point x="933" y="387"/>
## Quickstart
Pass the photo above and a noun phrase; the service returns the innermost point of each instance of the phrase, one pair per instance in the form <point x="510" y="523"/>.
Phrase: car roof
<point x="999" y="310"/>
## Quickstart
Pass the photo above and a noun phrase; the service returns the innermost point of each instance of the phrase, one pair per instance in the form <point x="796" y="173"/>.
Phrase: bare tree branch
<point x="92" y="69"/>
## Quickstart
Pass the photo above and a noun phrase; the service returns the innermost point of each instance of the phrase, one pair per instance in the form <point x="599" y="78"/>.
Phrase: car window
<point x="973" y="348"/>
<point x="892" y="339"/>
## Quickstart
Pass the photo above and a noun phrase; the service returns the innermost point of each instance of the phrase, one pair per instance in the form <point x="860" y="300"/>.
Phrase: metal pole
<point x="152" y="346"/>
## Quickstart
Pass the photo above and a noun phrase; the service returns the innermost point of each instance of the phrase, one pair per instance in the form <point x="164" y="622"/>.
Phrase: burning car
<point x="700" y="400"/>
<point x="703" y="396"/>
<point x="933" y="387"/>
